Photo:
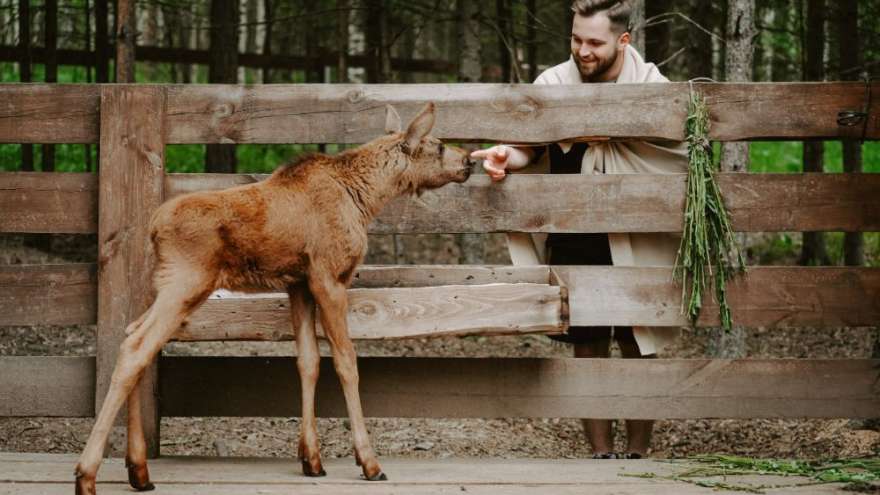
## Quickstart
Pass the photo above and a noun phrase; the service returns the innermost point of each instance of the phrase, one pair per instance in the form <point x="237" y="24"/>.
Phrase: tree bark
<point x="250" y="42"/>
<point x="848" y="40"/>
<point x="378" y="67"/>
<point x="343" y="14"/>
<point x="126" y="33"/>
<point x="472" y="247"/>
<point x="814" y="251"/>
<point x="502" y="14"/>
<point x="51" y="44"/>
<point x="699" y="43"/>
<point x="735" y="156"/>
<point x="637" y="26"/>
<point x="267" y="39"/>
<point x="24" y="70"/>
<point x="223" y="68"/>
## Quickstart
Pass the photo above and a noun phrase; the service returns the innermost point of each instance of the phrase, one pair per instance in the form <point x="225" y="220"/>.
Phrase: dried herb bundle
<point x="708" y="253"/>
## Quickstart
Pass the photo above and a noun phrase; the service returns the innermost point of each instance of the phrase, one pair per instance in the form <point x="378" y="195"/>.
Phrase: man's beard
<point x="595" y="74"/>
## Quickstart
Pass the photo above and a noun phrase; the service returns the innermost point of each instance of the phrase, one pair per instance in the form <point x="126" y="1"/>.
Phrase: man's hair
<point x="618" y="11"/>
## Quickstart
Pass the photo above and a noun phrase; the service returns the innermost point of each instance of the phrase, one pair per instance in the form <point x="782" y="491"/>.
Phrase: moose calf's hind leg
<point x="308" y="363"/>
<point x="136" y="456"/>
<point x="136" y="352"/>
<point x="332" y="300"/>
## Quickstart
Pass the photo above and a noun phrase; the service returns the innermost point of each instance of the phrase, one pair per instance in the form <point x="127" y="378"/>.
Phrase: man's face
<point x="595" y="47"/>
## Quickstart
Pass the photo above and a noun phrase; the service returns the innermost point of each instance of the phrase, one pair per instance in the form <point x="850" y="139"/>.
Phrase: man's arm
<point x="499" y="158"/>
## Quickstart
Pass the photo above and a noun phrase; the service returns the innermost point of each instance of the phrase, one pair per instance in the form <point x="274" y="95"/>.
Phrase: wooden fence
<point x="133" y="123"/>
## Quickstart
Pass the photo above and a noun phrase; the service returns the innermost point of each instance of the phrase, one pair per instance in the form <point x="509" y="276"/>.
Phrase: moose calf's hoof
<point x="313" y="472"/>
<point x="380" y="476"/>
<point x="84" y="486"/>
<point x="139" y="477"/>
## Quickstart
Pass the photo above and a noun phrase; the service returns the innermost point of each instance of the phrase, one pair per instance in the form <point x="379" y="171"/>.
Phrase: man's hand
<point x="497" y="159"/>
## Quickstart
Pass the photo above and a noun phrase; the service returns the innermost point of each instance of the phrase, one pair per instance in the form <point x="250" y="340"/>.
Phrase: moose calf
<point x="303" y="231"/>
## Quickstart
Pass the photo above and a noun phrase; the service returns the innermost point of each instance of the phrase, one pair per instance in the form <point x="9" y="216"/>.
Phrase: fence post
<point x="131" y="187"/>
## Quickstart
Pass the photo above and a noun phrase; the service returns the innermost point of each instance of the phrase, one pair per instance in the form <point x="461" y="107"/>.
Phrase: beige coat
<point x="620" y="158"/>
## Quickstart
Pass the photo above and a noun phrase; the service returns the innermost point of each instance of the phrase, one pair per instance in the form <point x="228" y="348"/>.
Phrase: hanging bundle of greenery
<point x="708" y="253"/>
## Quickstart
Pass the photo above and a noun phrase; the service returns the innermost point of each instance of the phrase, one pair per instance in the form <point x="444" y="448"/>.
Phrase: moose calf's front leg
<point x="333" y="303"/>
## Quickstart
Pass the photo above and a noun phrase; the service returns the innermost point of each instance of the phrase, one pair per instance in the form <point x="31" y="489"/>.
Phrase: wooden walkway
<point x="29" y="474"/>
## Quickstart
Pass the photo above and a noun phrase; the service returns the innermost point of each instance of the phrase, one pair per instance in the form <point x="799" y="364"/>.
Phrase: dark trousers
<point x="584" y="249"/>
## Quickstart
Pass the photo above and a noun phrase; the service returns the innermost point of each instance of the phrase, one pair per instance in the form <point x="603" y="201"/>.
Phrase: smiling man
<point x="600" y="53"/>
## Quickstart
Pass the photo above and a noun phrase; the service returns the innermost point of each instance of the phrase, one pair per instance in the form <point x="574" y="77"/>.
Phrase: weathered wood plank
<point x="468" y="112"/>
<point x="53" y="203"/>
<point x="48" y="294"/>
<point x="486" y="476"/>
<point x="611" y="203"/>
<point x="511" y="113"/>
<point x="49" y="113"/>
<point x="765" y="296"/>
<point x="503" y="387"/>
<point x="66" y="294"/>
<point x="131" y="188"/>
<point x="67" y="203"/>
<point x="510" y="309"/>
<point x="47" y="386"/>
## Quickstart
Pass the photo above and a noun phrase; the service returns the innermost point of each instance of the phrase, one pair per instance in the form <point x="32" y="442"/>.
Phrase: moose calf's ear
<point x="392" y="120"/>
<point x="420" y="127"/>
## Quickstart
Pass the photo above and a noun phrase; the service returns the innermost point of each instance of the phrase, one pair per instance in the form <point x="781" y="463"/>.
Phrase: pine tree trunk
<point x="51" y="45"/>
<point x="814" y="251"/>
<point x="267" y="38"/>
<point x="252" y="9"/>
<point x="735" y="156"/>
<point x="637" y="26"/>
<point x="343" y="14"/>
<point x="848" y="40"/>
<point x="375" y="42"/>
<point x="126" y="32"/>
<point x="657" y="36"/>
<point x="502" y="12"/>
<point x="24" y="70"/>
<point x="223" y="68"/>
<point x="699" y="52"/>
<point x="314" y="69"/>
<point x="471" y="247"/>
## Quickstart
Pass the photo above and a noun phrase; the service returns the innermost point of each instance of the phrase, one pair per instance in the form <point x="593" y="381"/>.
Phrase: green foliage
<point x="705" y="470"/>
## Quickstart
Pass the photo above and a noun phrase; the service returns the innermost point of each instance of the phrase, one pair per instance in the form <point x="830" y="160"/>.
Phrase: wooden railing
<point x="133" y="123"/>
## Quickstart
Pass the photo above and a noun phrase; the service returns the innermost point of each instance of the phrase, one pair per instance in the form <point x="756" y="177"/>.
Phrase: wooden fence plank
<point x="48" y="294"/>
<point x="67" y="203"/>
<point x="509" y="309"/>
<point x="36" y="202"/>
<point x="47" y="386"/>
<point x="765" y="296"/>
<point x="611" y="203"/>
<point x="131" y="188"/>
<point x="468" y="112"/>
<point x="49" y="113"/>
<point x="523" y="113"/>
<point x="66" y="294"/>
<point x="504" y="387"/>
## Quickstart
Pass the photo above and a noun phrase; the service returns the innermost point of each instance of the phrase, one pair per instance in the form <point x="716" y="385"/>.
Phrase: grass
<point x="858" y="474"/>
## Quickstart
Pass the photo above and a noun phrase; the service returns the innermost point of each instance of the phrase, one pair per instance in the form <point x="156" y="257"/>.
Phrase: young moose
<point x="304" y="231"/>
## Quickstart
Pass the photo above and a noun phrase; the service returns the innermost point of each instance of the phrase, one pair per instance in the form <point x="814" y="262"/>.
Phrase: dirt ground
<point x="436" y="438"/>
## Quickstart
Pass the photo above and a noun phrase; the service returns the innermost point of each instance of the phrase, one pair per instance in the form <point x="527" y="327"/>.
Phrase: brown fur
<point x="303" y="231"/>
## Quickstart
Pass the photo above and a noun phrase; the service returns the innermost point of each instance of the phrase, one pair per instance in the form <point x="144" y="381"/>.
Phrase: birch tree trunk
<point x="735" y="156"/>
